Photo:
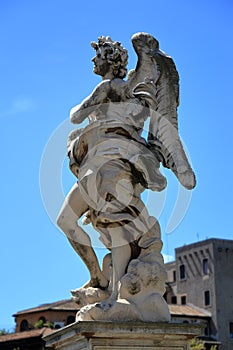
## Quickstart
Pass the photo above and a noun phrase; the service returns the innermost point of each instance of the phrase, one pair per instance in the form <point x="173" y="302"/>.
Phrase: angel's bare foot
<point x="97" y="282"/>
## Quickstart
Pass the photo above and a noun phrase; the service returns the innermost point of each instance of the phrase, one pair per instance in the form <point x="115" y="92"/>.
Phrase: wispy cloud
<point x="19" y="105"/>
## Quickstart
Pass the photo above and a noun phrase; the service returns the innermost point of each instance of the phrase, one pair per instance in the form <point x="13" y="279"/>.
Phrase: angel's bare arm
<point x="98" y="96"/>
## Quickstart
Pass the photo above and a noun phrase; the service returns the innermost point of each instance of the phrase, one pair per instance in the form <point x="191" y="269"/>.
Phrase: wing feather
<point x="156" y="81"/>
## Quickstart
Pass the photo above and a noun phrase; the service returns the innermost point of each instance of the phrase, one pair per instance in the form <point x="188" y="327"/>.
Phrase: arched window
<point x="70" y="319"/>
<point x="24" y="326"/>
<point x="43" y="319"/>
<point x="40" y="323"/>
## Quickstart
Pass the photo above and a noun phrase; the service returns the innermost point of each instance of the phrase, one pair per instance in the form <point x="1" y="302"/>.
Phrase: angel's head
<point x="110" y="56"/>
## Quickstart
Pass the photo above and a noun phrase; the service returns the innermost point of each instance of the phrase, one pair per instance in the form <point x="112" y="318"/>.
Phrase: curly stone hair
<point x="115" y="54"/>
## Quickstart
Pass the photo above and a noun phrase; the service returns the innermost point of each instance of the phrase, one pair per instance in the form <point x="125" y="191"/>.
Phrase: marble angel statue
<point x="114" y="164"/>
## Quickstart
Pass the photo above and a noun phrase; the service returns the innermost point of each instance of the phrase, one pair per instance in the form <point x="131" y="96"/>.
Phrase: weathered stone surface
<point x="123" y="335"/>
<point x="114" y="164"/>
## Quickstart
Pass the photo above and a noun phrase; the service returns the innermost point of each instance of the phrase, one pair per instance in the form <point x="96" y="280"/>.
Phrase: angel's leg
<point x="73" y="208"/>
<point x="120" y="259"/>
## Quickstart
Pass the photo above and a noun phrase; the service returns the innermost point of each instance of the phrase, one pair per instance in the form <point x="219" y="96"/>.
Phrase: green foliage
<point x="49" y="325"/>
<point x="197" y="344"/>
<point x="41" y="324"/>
<point x="3" y="331"/>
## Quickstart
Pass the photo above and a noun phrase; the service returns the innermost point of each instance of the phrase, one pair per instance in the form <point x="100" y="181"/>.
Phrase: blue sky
<point x="46" y="69"/>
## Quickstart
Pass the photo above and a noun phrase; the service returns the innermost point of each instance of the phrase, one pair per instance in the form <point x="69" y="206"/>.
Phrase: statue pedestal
<point x="99" y="335"/>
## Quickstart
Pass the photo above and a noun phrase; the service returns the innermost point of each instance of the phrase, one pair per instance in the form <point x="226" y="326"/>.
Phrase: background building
<point x="62" y="313"/>
<point x="199" y="289"/>
<point x="32" y="324"/>
<point x="202" y="275"/>
<point x="56" y="315"/>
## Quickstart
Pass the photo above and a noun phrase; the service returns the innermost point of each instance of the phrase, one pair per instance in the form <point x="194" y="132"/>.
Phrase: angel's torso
<point x="118" y="106"/>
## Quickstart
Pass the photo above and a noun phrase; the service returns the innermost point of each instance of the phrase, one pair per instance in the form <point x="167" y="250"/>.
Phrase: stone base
<point x="91" y="335"/>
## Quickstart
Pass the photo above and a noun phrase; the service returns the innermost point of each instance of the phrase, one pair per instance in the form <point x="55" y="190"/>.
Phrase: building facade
<point x="34" y="323"/>
<point x="55" y="315"/>
<point x="202" y="275"/>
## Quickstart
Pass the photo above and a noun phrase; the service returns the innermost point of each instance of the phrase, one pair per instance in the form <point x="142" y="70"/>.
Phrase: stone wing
<point x="156" y="81"/>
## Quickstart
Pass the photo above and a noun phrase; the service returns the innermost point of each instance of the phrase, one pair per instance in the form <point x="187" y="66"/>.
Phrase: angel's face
<point x="101" y="66"/>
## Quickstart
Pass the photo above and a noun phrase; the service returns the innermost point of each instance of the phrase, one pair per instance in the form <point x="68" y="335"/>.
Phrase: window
<point x="42" y="319"/>
<point x="206" y="330"/>
<point x="70" y="319"/>
<point x="207" y="297"/>
<point x="182" y="271"/>
<point x="205" y="266"/>
<point x="174" y="299"/>
<point x="24" y="326"/>
<point x="231" y="329"/>
<point x="183" y="300"/>
<point x="174" y="275"/>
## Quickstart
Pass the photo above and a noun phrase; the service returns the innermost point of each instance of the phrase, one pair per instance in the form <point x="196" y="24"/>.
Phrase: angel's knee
<point x="67" y="220"/>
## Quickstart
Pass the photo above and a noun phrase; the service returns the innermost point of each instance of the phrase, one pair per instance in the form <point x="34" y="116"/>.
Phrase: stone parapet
<point x="91" y="335"/>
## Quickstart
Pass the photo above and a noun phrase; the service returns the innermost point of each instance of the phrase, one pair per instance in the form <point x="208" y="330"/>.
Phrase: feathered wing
<point x="156" y="81"/>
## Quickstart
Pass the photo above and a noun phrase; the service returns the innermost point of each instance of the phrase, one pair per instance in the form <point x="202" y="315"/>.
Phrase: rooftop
<point x="62" y="305"/>
<point x="205" y="242"/>
<point x="34" y="333"/>
<point x="176" y="310"/>
<point x="188" y="310"/>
